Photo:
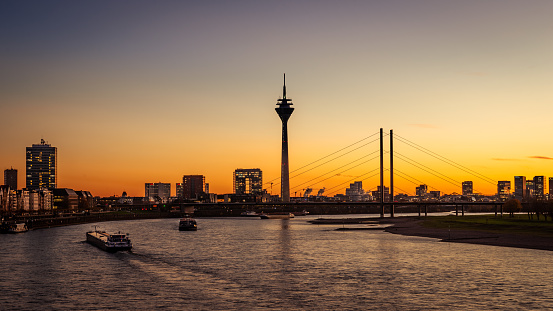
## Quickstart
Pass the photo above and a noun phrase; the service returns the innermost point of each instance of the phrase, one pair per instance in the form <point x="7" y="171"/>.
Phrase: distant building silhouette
<point x="376" y="194"/>
<point x="435" y="194"/>
<point x="529" y="188"/>
<point x="467" y="187"/>
<point x="520" y="187"/>
<point x="355" y="191"/>
<point x="10" y="178"/>
<point x="179" y="190"/>
<point x="157" y="190"/>
<point x="193" y="186"/>
<point x="551" y="188"/>
<point x="41" y="166"/>
<point x="421" y="190"/>
<point x="248" y="181"/>
<point x="539" y="187"/>
<point x="503" y="189"/>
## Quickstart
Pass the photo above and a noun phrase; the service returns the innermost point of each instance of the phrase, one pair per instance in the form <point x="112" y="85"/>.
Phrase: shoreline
<point x="412" y="226"/>
<point x="77" y="219"/>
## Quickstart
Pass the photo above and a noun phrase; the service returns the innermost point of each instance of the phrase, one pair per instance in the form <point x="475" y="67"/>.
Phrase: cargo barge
<point x="109" y="242"/>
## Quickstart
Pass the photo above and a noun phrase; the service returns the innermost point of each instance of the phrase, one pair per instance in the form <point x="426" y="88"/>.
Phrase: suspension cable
<point x="333" y="153"/>
<point x="444" y="159"/>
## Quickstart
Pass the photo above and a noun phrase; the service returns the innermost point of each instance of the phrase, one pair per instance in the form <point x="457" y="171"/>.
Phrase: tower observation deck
<point x="284" y="112"/>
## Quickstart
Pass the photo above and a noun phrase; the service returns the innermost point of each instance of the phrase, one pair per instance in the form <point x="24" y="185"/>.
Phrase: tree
<point x="512" y="206"/>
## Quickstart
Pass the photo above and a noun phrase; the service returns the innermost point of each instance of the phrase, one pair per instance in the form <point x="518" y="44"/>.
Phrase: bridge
<point x="360" y="158"/>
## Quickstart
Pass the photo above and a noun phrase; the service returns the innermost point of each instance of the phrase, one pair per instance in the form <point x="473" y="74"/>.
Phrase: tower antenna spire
<point x="284" y="87"/>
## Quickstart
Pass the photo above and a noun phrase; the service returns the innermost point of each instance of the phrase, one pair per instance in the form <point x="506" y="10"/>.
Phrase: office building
<point x="421" y="190"/>
<point x="10" y="178"/>
<point x="41" y="166"/>
<point x="550" y="188"/>
<point x="503" y="189"/>
<point x="179" y="190"/>
<point x="248" y="181"/>
<point x="157" y="190"/>
<point x="193" y="186"/>
<point x="467" y="188"/>
<point x="539" y="187"/>
<point x="355" y="191"/>
<point x="65" y="199"/>
<point x="530" y="188"/>
<point x="520" y="187"/>
<point x="376" y="194"/>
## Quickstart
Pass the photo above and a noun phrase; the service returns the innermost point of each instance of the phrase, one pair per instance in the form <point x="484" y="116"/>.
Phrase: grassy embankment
<point x="519" y="224"/>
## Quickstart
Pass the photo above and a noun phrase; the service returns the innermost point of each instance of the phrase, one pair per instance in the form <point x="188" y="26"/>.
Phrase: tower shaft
<point x="284" y="170"/>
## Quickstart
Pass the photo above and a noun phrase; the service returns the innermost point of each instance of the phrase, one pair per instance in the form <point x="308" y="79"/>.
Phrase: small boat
<point x="109" y="242"/>
<point x="18" y="228"/>
<point x="276" y="216"/>
<point x="188" y="224"/>
<point x="302" y="213"/>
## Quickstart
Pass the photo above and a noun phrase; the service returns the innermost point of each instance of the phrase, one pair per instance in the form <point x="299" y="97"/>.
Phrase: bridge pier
<point x="462" y="209"/>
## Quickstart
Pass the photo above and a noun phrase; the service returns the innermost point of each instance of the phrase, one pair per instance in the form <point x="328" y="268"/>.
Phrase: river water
<point x="254" y="264"/>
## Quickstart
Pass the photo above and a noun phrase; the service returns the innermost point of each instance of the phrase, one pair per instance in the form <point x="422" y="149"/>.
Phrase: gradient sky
<point x="147" y="91"/>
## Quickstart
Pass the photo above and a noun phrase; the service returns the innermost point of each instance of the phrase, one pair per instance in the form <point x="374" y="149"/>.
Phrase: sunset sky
<point x="147" y="91"/>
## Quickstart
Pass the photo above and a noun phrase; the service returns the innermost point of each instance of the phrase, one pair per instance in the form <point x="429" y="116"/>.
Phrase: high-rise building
<point x="157" y="190"/>
<point x="530" y="188"/>
<point x="10" y="178"/>
<point x="520" y="187"/>
<point x="376" y="194"/>
<point x="193" y="186"/>
<point x="355" y="191"/>
<point x="248" y="181"/>
<point x="550" y="188"/>
<point x="539" y="187"/>
<point x="179" y="190"/>
<point x="421" y="190"/>
<point x="503" y="189"/>
<point x="284" y="112"/>
<point x="41" y="166"/>
<point x="467" y="187"/>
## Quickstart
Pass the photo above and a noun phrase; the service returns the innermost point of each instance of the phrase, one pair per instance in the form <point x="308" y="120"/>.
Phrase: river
<point x="254" y="264"/>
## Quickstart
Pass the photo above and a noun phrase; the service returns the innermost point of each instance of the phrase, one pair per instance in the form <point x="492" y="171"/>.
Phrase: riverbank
<point x="41" y="222"/>
<point x="481" y="229"/>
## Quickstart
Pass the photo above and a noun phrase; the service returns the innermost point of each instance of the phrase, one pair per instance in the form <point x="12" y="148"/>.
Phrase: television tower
<point x="284" y="112"/>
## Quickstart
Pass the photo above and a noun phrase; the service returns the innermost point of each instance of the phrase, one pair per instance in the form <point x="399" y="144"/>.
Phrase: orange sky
<point x="136" y="93"/>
